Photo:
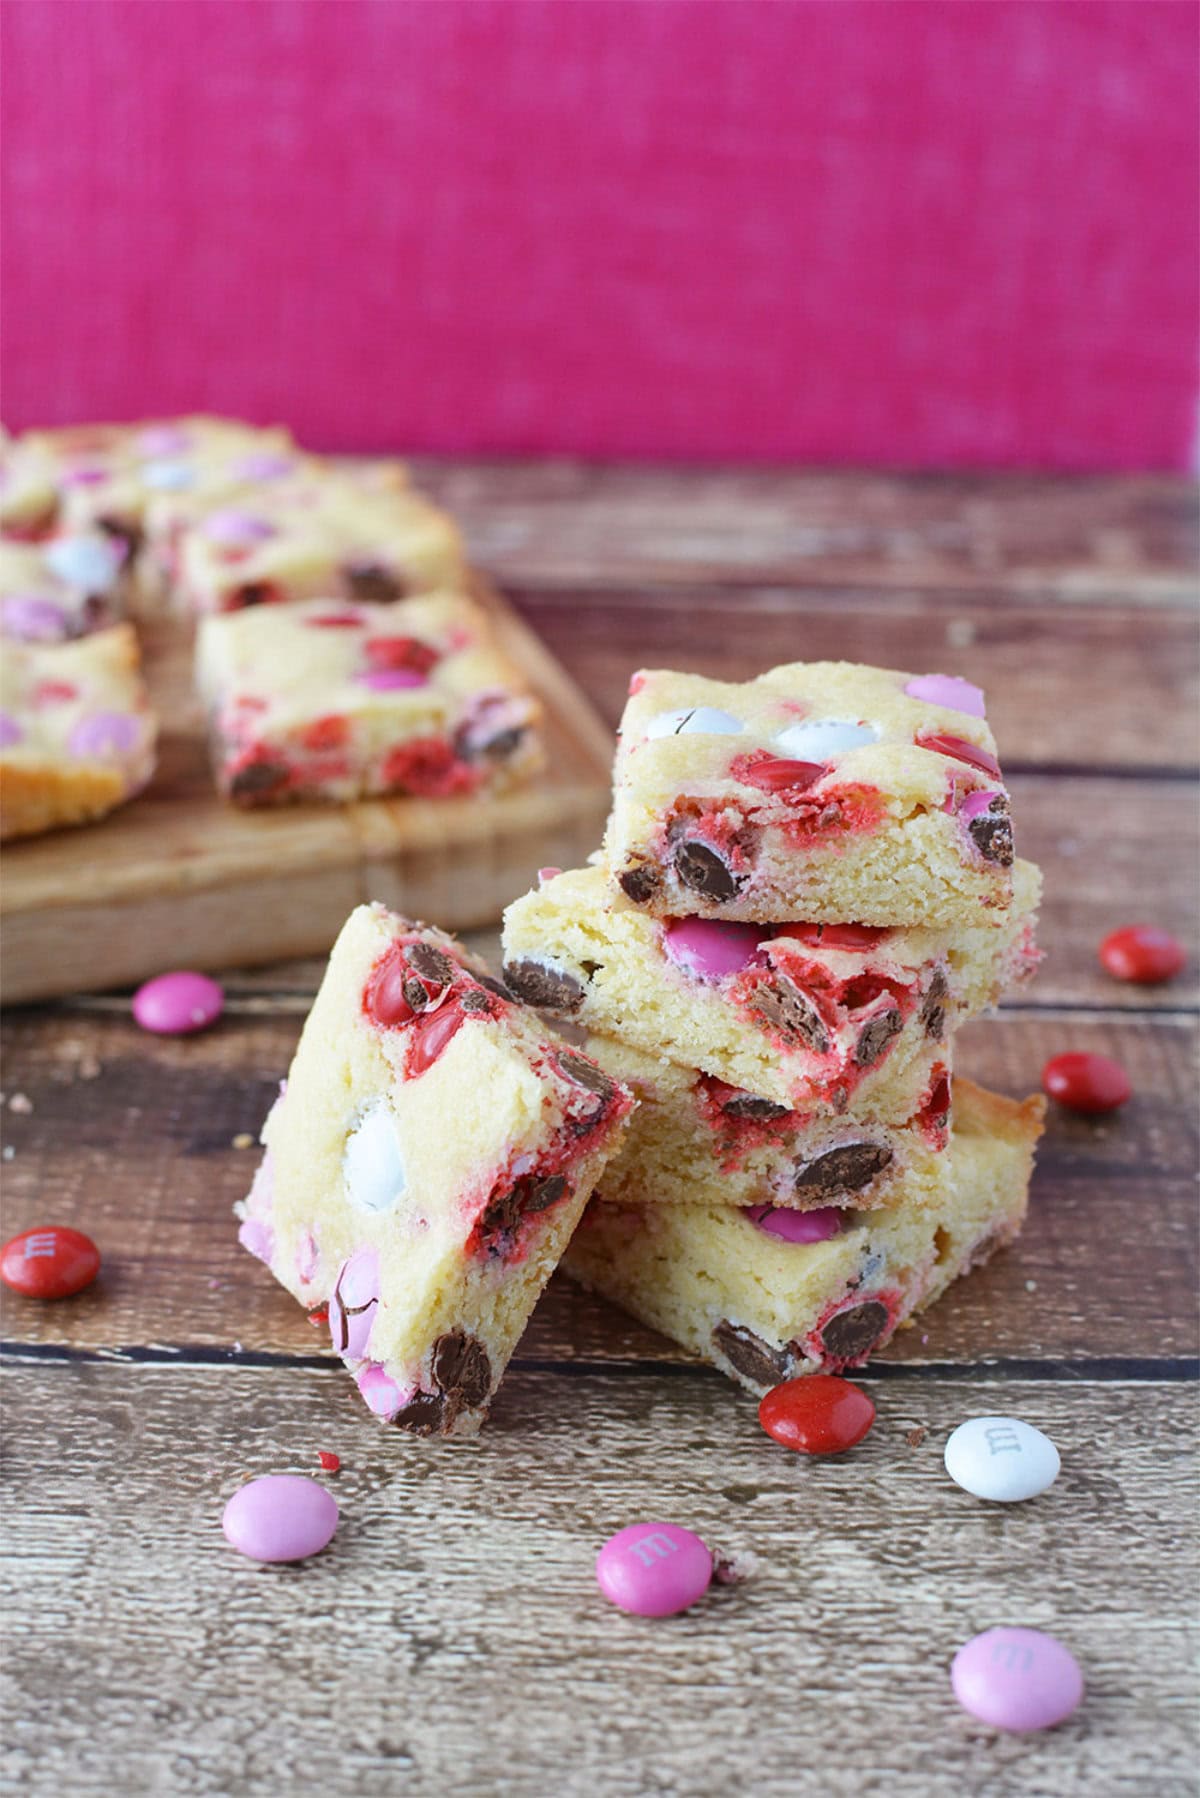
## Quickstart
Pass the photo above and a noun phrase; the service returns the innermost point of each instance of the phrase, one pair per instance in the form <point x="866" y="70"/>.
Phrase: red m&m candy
<point x="1092" y="1083"/>
<point x="1141" y="953"/>
<point x="819" y="1414"/>
<point x="51" y="1262"/>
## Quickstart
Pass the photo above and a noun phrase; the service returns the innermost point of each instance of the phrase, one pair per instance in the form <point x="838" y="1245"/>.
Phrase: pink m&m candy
<point x="105" y="733"/>
<point x="797" y="1226"/>
<point x="175" y="1004"/>
<point x="948" y="690"/>
<point x="710" y="950"/>
<point x="1017" y="1679"/>
<point x="654" y="1569"/>
<point x="281" y="1517"/>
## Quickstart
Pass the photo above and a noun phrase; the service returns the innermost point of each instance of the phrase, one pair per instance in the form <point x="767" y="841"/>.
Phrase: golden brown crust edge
<point x="41" y="798"/>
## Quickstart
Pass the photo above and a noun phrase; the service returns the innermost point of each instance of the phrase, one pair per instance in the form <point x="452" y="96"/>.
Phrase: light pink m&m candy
<point x="1017" y="1679"/>
<point x="175" y="1004"/>
<point x="654" y="1569"/>
<point x="948" y="690"/>
<point x="710" y="950"/>
<point x="281" y="1517"/>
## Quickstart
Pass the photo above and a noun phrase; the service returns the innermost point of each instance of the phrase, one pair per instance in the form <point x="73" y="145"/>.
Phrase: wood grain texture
<point x="180" y="877"/>
<point x="1136" y="709"/>
<point x="141" y="1156"/>
<point x="558" y="525"/>
<point x="430" y="1651"/>
<point x="452" y="1643"/>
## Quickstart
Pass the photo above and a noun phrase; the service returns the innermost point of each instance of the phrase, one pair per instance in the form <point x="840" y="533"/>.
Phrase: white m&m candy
<point x="1001" y="1458"/>
<point x="817" y="739"/>
<point x="372" y="1163"/>
<point x="695" y="720"/>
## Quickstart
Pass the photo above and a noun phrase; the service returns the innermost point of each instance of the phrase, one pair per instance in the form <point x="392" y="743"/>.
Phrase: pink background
<point x="903" y="232"/>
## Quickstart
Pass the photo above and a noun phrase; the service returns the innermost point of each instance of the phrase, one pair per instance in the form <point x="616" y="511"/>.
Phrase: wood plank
<point x="1112" y="851"/>
<point x="555" y="524"/>
<point x="452" y="1641"/>
<point x="1078" y="687"/>
<point x="141" y="1156"/>
<point x="179" y="877"/>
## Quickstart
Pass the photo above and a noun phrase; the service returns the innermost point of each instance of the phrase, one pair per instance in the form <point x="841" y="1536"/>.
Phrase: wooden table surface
<point x="452" y="1641"/>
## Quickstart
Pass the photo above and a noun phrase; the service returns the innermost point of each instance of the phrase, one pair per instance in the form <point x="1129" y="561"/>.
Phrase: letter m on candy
<point x="652" y="1548"/>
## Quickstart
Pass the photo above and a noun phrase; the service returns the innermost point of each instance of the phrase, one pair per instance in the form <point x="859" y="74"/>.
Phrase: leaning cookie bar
<point x="813" y="1017"/>
<point x="822" y="790"/>
<point x="426" y="1163"/>
<point x="694" y="1140"/>
<point x="76" y="733"/>
<point x="763" y="1309"/>
<point x="320" y="699"/>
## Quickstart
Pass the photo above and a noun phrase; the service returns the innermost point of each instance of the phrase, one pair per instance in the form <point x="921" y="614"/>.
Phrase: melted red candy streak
<point x="50" y="692"/>
<point x="933" y="1119"/>
<point x="849" y="810"/>
<point x="429" y="769"/>
<point x="1088" y="1083"/>
<point x="326" y="733"/>
<point x="961" y="751"/>
<point x="819" y="1414"/>
<point x="836" y="936"/>
<point x="335" y="621"/>
<point x="401" y="652"/>
<point x="1143" y="954"/>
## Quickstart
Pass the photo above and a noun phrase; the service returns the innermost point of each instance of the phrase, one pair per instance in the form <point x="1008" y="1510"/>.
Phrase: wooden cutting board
<point x="179" y="879"/>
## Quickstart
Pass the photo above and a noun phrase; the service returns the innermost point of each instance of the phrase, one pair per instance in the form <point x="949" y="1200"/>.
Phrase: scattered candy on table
<point x="1001" y="1458"/>
<point x="818" y="1414"/>
<point x="50" y="1262"/>
<point x="330" y="1462"/>
<point x="1143" y="954"/>
<point x="1091" y="1083"/>
<point x="1017" y="1679"/>
<point x="654" y="1569"/>
<point x="280" y="1517"/>
<point x="176" y="1004"/>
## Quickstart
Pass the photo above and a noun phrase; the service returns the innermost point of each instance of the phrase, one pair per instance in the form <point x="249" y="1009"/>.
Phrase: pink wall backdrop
<point x="907" y="232"/>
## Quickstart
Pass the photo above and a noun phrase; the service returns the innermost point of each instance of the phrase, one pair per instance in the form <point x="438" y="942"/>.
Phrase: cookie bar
<point x="106" y="476"/>
<point x="320" y="699"/>
<point x="76" y="733"/>
<point x="764" y="1309"/>
<point x="814" y="1017"/>
<point x="693" y="1140"/>
<point x="821" y="790"/>
<point x="429" y="1156"/>
<point x="354" y="535"/>
<point x="63" y="586"/>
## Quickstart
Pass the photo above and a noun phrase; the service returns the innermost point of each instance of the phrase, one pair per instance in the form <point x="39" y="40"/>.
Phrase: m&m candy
<point x="819" y="1414"/>
<point x="50" y="1262"/>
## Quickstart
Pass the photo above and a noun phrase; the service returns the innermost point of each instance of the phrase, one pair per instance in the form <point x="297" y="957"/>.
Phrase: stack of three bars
<point x="807" y="886"/>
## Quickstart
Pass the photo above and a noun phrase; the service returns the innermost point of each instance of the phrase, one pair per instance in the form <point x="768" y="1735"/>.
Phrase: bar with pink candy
<point x="807" y="887"/>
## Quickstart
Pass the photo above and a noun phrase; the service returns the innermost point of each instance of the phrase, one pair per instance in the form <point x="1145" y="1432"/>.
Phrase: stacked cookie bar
<point x="807" y="886"/>
<point x="339" y="651"/>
